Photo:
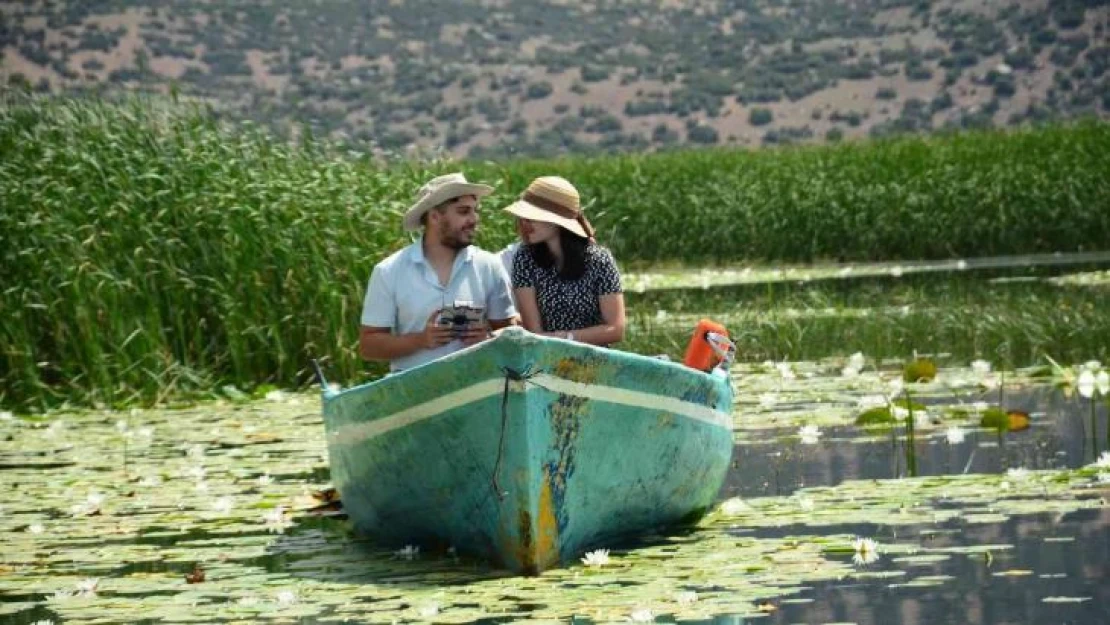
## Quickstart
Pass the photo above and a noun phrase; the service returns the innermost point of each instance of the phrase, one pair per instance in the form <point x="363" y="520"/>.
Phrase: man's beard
<point x="452" y="239"/>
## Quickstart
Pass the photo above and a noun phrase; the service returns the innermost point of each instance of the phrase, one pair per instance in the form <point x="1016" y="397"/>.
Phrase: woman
<point x="565" y="284"/>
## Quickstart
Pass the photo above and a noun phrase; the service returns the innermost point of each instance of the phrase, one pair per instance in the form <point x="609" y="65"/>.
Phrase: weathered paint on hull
<point x="584" y="446"/>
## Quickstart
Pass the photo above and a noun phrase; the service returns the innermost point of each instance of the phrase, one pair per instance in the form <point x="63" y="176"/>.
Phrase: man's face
<point x="457" y="221"/>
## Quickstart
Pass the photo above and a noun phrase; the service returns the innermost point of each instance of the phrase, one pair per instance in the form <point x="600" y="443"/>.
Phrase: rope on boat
<point x="511" y="375"/>
<point x="320" y="375"/>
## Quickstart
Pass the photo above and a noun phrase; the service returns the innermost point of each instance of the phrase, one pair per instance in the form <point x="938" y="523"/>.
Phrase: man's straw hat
<point x="437" y="191"/>
<point x="553" y="200"/>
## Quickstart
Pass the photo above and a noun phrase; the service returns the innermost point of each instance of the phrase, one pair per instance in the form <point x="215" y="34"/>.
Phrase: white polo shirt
<point x="404" y="290"/>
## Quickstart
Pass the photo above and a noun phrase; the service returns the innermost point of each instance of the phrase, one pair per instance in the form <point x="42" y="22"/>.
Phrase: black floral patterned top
<point x="568" y="305"/>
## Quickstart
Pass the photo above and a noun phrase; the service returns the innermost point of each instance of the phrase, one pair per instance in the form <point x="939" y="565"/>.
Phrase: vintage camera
<point x="461" y="317"/>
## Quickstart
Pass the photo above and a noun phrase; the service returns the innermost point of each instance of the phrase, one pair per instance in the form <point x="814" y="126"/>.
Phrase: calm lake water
<point x="105" y="517"/>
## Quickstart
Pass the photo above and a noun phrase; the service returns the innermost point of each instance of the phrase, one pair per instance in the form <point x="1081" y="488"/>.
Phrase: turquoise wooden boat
<point x="529" y="451"/>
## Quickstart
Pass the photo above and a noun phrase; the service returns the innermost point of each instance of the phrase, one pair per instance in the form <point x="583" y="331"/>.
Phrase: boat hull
<point x="529" y="451"/>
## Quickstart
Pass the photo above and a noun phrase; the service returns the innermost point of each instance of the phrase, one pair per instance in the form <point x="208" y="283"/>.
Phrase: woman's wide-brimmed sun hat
<point x="553" y="200"/>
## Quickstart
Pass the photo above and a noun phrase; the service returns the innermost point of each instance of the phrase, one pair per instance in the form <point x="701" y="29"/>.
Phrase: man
<point x="408" y="290"/>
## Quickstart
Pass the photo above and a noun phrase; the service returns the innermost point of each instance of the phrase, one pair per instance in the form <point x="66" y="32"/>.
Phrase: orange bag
<point x="708" y="346"/>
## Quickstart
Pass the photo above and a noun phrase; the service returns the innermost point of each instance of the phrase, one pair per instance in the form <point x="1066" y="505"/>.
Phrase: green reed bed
<point x="1009" y="323"/>
<point x="976" y="194"/>
<point x="150" y="253"/>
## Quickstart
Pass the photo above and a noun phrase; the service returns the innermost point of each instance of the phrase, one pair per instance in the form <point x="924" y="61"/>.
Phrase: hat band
<point x="562" y="211"/>
<point x="549" y="205"/>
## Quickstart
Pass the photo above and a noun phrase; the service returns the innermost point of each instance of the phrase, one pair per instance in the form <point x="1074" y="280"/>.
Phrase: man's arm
<point x="377" y="343"/>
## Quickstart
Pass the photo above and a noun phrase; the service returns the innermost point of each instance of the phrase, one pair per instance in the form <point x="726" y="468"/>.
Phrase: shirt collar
<point x="416" y="253"/>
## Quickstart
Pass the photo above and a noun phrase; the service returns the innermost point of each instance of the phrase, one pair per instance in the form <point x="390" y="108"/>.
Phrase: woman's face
<point x="538" y="231"/>
<point x="522" y="229"/>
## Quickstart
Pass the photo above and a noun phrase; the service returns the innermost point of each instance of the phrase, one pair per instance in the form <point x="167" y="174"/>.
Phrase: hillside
<point x="496" y="77"/>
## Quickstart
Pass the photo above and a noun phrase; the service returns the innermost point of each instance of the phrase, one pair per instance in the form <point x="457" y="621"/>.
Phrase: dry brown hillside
<point x="493" y="77"/>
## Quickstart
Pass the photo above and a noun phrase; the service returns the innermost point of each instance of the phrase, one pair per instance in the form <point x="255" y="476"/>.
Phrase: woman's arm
<point x="528" y="309"/>
<point x="612" y="331"/>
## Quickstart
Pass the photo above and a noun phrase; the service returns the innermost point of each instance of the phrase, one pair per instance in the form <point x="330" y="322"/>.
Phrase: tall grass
<point x="976" y="194"/>
<point x="957" y="318"/>
<point x="149" y="253"/>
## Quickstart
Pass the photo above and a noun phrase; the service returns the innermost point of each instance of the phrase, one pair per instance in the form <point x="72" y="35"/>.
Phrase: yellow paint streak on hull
<point x="547" y="528"/>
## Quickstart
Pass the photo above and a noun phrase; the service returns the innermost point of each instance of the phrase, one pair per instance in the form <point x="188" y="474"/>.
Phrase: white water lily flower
<point x="121" y="425"/>
<point x="954" y="434"/>
<point x="408" y="552"/>
<point x="687" y="597"/>
<point x="265" y="479"/>
<point x="898" y="412"/>
<point x="643" y="615"/>
<point x="660" y="315"/>
<point x="981" y="367"/>
<point x="1092" y="365"/>
<point x="768" y="400"/>
<point x="922" y="419"/>
<point x="868" y="402"/>
<point x="87" y="587"/>
<point x="961" y="264"/>
<point x="894" y="387"/>
<point x="1103" y="461"/>
<point x="896" y="272"/>
<point x="1086" y="384"/>
<point x="809" y="434"/>
<point x="147" y="432"/>
<point x="733" y="506"/>
<point x="867" y="551"/>
<point x="277" y="396"/>
<point x="857" y="361"/>
<point x="287" y="598"/>
<point x="275" y="520"/>
<point x="223" y="505"/>
<point x="596" y="558"/>
<point x="429" y="610"/>
<point x="1102" y="381"/>
<point x="785" y="370"/>
<point x="36" y="528"/>
<point x="90" y="506"/>
<point x="6" y="415"/>
<point x="1017" y="473"/>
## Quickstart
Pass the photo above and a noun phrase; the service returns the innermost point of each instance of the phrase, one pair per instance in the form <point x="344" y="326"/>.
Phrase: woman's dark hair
<point x="574" y="254"/>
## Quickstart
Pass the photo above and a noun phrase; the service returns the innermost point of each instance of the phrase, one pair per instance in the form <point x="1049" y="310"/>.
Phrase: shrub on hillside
<point x="760" y="117"/>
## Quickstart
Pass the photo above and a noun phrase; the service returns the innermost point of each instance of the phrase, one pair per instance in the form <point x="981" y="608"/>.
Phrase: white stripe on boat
<point x="357" y="432"/>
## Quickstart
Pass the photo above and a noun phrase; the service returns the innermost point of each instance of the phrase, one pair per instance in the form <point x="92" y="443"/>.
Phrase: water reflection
<point x="1054" y="572"/>
<point x="771" y="462"/>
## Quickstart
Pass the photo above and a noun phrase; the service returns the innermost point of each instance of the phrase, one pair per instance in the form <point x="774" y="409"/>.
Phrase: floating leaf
<point x="920" y="370"/>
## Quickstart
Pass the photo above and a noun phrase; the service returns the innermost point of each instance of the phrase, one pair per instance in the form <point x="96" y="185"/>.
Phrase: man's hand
<point x="475" y="334"/>
<point x="435" y="335"/>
